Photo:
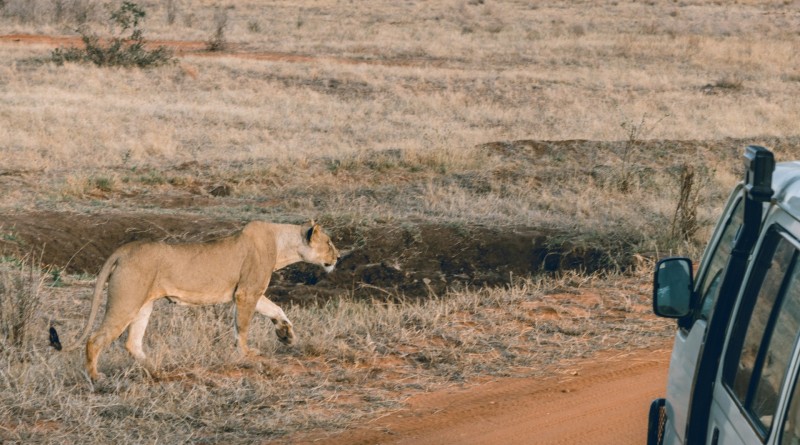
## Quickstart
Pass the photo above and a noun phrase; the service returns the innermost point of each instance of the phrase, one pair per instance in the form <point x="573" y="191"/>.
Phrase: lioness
<point x="237" y="267"/>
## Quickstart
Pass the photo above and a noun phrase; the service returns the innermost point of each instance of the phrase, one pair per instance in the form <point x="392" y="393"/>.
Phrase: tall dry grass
<point x="353" y="360"/>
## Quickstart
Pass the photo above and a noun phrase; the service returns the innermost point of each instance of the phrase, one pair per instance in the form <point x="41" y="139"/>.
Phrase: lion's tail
<point x="102" y="278"/>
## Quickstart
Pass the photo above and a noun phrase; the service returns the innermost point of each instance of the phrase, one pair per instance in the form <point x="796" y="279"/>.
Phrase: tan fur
<point x="238" y="267"/>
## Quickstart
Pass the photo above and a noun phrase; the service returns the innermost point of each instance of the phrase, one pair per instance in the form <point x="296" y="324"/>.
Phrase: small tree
<point x="121" y="50"/>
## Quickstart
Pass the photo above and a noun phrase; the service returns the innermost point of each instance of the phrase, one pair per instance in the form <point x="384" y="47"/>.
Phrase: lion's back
<point x="181" y="258"/>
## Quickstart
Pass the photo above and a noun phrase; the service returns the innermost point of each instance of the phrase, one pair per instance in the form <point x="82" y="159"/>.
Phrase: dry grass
<point x="353" y="360"/>
<point x="598" y="192"/>
<point x="434" y="77"/>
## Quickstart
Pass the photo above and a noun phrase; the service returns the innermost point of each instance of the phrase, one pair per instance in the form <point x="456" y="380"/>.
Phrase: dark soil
<point x="390" y="261"/>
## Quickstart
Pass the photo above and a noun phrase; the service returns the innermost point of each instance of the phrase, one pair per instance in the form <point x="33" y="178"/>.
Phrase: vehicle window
<point x="791" y="427"/>
<point x="765" y="331"/>
<point x="709" y="287"/>
<point x="791" y="424"/>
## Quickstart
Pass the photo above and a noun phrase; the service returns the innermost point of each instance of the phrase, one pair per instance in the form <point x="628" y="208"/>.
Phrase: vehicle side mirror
<point x="672" y="288"/>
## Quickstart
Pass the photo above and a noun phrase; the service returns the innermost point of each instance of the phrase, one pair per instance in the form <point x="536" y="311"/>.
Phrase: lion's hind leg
<point x="105" y="334"/>
<point x="120" y="312"/>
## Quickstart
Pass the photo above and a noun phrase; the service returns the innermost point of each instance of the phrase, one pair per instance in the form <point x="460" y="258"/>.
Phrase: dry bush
<point x="218" y="40"/>
<point x="684" y="223"/>
<point x="20" y="306"/>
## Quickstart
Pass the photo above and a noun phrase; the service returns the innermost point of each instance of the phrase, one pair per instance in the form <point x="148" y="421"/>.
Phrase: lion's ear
<point x="309" y="233"/>
<point x="308" y="230"/>
<point x="312" y="231"/>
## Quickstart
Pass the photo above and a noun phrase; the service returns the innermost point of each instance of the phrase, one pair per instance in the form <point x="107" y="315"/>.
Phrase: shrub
<point x="684" y="221"/>
<point x="20" y="303"/>
<point x="125" y="51"/>
<point x="218" y="42"/>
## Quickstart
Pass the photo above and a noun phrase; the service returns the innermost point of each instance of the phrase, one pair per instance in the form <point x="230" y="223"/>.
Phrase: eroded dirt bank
<point x="387" y="261"/>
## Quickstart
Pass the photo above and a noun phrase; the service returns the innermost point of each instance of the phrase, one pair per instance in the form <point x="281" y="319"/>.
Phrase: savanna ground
<point x="501" y="175"/>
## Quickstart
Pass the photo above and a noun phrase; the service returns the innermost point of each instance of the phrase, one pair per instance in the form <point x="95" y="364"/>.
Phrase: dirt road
<point x="601" y="401"/>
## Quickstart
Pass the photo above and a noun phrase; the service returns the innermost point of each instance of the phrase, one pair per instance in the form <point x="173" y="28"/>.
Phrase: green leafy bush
<point x="120" y="50"/>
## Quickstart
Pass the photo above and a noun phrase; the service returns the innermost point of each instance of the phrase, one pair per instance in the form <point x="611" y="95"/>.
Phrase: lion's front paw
<point x="285" y="333"/>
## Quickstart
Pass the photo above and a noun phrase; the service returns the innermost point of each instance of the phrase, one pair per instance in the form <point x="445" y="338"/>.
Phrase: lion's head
<point x="319" y="247"/>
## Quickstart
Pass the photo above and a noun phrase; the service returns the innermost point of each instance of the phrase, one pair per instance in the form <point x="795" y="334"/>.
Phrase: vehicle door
<point x="755" y="372"/>
<point x="691" y="329"/>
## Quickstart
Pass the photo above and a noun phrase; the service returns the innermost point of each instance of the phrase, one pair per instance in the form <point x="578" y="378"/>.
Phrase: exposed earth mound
<point x="389" y="261"/>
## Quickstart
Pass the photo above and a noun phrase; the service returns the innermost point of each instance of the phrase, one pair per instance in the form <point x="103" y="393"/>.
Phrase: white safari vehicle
<point x="733" y="374"/>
